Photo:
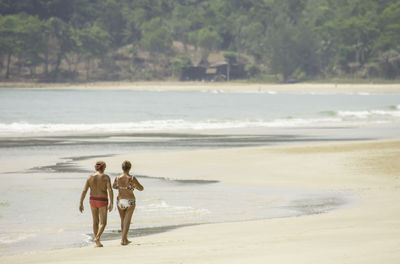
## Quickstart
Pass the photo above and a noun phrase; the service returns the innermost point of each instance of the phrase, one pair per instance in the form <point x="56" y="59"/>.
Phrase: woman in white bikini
<point x="126" y="201"/>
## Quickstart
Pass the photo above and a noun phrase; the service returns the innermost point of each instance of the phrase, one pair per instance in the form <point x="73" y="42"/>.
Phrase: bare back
<point x="98" y="184"/>
<point x="125" y="180"/>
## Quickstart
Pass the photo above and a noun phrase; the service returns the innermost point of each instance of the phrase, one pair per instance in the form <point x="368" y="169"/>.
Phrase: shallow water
<point x="39" y="211"/>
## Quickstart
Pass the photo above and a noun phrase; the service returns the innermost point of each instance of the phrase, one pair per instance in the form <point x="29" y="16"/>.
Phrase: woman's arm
<point x="137" y="185"/>
<point x="115" y="184"/>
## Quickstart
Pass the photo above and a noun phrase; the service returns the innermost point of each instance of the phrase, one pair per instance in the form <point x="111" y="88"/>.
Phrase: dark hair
<point x="100" y="166"/>
<point x="126" y="165"/>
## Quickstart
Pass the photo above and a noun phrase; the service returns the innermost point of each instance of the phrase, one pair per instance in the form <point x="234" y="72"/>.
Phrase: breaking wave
<point x="322" y="119"/>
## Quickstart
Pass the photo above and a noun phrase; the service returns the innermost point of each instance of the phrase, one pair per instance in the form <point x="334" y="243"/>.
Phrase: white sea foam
<point x="8" y="238"/>
<point x="342" y="117"/>
<point x="370" y="114"/>
<point x="157" y="125"/>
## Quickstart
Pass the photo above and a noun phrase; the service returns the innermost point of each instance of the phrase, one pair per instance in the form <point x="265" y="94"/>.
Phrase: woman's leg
<point x="126" y="224"/>
<point x="122" y="214"/>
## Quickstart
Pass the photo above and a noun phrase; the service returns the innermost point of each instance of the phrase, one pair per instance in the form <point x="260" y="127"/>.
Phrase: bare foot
<point x="125" y="242"/>
<point x="98" y="244"/>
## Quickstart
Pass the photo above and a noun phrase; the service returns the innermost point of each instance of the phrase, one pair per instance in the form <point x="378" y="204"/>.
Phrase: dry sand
<point x="365" y="232"/>
<point x="222" y="86"/>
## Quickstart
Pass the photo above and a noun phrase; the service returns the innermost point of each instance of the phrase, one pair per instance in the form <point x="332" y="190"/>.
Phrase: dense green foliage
<point x="153" y="39"/>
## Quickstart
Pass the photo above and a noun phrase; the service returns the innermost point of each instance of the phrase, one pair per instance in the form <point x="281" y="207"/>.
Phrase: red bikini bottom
<point x="98" y="201"/>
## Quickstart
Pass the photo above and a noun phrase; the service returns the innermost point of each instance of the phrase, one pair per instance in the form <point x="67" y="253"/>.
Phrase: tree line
<point x="55" y="40"/>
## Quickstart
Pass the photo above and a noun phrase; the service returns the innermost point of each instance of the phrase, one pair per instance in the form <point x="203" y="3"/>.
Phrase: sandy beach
<point x="220" y="86"/>
<point x="366" y="231"/>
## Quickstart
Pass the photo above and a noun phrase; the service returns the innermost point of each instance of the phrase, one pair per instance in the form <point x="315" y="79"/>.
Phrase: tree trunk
<point x="19" y="66"/>
<point x="1" y="62"/>
<point x="57" y="67"/>
<point x="228" y="71"/>
<point x="8" y="65"/>
<point x="87" y="69"/>
<point x="46" y="64"/>
<point x="204" y="57"/>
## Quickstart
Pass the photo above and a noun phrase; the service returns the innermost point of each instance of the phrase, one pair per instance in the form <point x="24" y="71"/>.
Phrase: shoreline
<point x="203" y="86"/>
<point x="368" y="168"/>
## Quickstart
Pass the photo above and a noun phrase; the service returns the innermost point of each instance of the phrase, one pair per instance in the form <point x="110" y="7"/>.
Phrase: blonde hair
<point x="100" y="166"/>
<point x="126" y="165"/>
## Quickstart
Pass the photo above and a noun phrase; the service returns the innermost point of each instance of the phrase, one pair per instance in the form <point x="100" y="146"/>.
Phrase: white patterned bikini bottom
<point x="125" y="203"/>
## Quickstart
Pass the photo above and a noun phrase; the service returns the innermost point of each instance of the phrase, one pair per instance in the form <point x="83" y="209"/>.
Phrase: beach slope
<point x="367" y="231"/>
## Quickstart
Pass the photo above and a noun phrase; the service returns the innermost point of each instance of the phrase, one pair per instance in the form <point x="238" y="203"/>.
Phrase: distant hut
<point x="225" y="71"/>
<point x="219" y="71"/>
<point x="193" y="73"/>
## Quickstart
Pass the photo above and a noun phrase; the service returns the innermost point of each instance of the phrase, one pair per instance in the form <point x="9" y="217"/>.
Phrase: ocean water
<point x="29" y="112"/>
<point x="46" y="131"/>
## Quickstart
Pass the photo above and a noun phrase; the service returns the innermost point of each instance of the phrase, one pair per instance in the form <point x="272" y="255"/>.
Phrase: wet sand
<point x="366" y="232"/>
<point x="223" y="86"/>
